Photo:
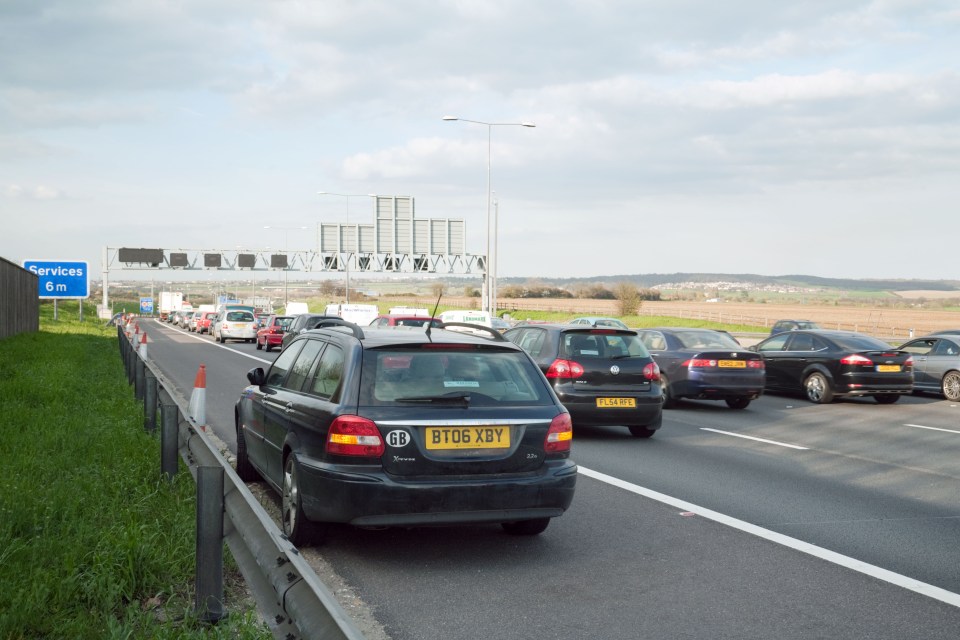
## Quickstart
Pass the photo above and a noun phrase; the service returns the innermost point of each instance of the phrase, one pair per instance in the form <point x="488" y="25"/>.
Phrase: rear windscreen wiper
<point x="447" y="398"/>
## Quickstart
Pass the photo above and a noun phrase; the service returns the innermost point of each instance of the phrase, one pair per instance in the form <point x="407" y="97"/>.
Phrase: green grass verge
<point x="93" y="542"/>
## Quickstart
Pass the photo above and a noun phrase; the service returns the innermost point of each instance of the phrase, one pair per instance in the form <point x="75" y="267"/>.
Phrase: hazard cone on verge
<point x="143" y="345"/>
<point x="198" y="399"/>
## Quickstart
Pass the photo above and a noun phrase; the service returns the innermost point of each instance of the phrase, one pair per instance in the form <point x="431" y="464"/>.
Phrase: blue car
<point x="704" y="364"/>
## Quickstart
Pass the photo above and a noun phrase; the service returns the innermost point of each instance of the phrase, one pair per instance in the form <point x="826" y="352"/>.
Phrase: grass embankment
<point x="93" y="542"/>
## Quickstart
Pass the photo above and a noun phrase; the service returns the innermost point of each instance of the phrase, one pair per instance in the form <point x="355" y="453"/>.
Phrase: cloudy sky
<point x="746" y="136"/>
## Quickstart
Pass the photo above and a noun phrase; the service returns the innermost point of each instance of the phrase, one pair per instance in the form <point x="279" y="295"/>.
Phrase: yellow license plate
<point x="483" y="437"/>
<point x="888" y="367"/>
<point x="732" y="364"/>
<point x="616" y="403"/>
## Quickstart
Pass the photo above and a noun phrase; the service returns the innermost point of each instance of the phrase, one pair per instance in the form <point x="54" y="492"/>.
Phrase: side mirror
<point x="256" y="376"/>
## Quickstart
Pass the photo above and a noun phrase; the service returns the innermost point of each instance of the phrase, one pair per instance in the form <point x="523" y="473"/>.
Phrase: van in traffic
<point x="359" y="314"/>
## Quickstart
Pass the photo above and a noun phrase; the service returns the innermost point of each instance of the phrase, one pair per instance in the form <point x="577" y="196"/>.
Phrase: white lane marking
<point x="920" y="426"/>
<point x="799" y="545"/>
<point x="190" y="334"/>
<point x="740" y="435"/>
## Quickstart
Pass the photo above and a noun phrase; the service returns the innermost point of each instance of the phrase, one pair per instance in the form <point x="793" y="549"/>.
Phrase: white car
<point x="235" y="325"/>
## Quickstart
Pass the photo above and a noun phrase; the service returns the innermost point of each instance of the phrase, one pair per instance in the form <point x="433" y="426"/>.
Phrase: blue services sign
<point x="60" y="279"/>
<point x="146" y="305"/>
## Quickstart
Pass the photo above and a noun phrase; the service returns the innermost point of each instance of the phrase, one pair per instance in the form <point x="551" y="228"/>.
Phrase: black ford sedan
<point x="377" y="427"/>
<point x="830" y="364"/>
<point x="704" y="364"/>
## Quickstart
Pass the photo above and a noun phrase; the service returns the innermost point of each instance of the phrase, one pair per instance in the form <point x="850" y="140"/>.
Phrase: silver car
<point x="235" y="325"/>
<point x="936" y="364"/>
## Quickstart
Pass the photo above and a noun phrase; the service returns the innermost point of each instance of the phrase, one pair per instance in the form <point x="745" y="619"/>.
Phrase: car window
<point x="282" y="365"/>
<point x="774" y="344"/>
<point x="801" y="342"/>
<point x="946" y="348"/>
<point x="239" y="316"/>
<point x="300" y="370"/>
<point x="414" y="377"/>
<point x="576" y="344"/>
<point x="861" y="343"/>
<point x="530" y="340"/>
<point x="706" y="340"/>
<point x="654" y="340"/>
<point x="919" y="347"/>
<point x="326" y="379"/>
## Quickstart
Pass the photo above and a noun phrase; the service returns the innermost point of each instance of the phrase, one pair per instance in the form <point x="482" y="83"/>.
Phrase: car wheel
<point x="951" y="386"/>
<point x="739" y="402"/>
<point x="886" y="398"/>
<point x="245" y="469"/>
<point x="817" y="388"/>
<point x="526" y="527"/>
<point x="640" y="431"/>
<point x="269" y="347"/>
<point x="669" y="402"/>
<point x="222" y="339"/>
<point x="295" y="524"/>
<point x="259" y="346"/>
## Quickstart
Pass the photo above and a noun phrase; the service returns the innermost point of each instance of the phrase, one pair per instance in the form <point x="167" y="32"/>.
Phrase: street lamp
<point x="356" y="236"/>
<point x="489" y="280"/>
<point x="286" y="244"/>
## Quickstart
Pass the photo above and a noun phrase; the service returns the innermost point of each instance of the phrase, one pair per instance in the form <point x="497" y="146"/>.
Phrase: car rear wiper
<point x="627" y="355"/>
<point x="451" y="398"/>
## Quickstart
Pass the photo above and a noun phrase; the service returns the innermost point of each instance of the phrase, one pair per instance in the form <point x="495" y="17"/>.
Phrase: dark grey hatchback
<point x="603" y="375"/>
<point x="377" y="427"/>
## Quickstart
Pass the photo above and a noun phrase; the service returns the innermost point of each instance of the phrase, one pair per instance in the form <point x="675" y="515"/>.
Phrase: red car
<point x="203" y="322"/>
<point x="388" y="322"/>
<point x="270" y="335"/>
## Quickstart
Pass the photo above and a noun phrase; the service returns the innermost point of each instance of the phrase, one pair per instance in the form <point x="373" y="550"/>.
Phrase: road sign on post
<point x="146" y="306"/>
<point x="58" y="279"/>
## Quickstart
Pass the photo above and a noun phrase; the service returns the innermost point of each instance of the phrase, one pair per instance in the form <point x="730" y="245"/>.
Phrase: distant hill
<point x="650" y="280"/>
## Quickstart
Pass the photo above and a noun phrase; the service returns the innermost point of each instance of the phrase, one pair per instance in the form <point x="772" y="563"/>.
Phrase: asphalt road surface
<point x="785" y="520"/>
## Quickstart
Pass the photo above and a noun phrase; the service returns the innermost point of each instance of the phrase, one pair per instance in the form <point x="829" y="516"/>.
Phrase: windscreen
<point x="706" y="340"/>
<point x="602" y="344"/>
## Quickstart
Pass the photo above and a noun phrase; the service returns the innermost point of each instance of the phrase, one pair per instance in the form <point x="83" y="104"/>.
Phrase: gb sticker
<point x="398" y="438"/>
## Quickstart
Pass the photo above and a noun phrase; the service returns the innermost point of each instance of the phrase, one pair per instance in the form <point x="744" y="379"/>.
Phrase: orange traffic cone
<point x="143" y="346"/>
<point x="198" y="399"/>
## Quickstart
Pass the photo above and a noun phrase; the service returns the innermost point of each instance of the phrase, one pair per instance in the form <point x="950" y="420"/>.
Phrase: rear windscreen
<point x="706" y="340"/>
<point x="601" y="344"/>
<point x="404" y="377"/>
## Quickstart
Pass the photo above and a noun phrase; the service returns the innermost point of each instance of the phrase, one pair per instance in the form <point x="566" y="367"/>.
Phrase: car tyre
<point x="296" y="526"/>
<point x="526" y="527"/>
<point x="817" y="388"/>
<point x="259" y="346"/>
<point x="738" y="402"/>
<point x="268" y="346"/>
<point x="245" y="469"/>
<point x="886" y="398"/>
<point x="669" y="402"/>
<point x="640" y="431"/>
<point x="950" y="386"/>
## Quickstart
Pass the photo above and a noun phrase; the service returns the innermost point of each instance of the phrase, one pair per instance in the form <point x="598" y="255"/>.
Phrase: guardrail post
<point x="150" y="403"/>
<point x="209" y="583"/>
<point x="168" y="439"/>
<point x="140" y="372"/>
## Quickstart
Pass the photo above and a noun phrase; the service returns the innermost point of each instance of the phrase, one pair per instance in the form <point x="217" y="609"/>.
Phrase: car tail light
<point x="908" y="363"/>
<point x="651" y="372"/>
<point x="756" y="364"/>
<point x="354" y="436"/>
<point x="559" y="434"/>
<point x="560" y="368"/>
<point x="699" y="363"/>
<point x="857" y="360"/>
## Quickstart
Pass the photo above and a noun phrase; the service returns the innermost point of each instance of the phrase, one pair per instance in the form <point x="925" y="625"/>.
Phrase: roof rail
<point x="479" y="327"/>
<point x="340" y="322"/>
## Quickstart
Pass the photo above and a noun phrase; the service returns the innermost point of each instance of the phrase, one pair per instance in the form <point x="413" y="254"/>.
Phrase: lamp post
<point x="286" y="244"/>
<point x="356" y="238"/>
<point x="488" y="280"/>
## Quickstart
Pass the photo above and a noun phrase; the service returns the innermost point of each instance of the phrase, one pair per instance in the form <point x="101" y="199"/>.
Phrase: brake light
<point x="651" y="372"/>
<point x="908" y="363"/>
<point x="559" y="434"/>
<point x="756" y="364"/>
<point x="354" y="436"/>
<point x="699" y="363"/>
<point x="857" y="360"/>
<point x="560" y="368"/>
<point x="604" y="332"/>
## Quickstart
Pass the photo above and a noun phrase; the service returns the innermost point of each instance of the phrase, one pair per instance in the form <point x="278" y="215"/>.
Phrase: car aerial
<point x="792" y="325"/>
<point x="936" y="364"/>
<point x="270" y="335"/>
<point x="830" y="364"/>
<point x="603" y="376"/>
<point x="596" y="321"/>
<point x="384" y="322"/>
<point x="379" y="428"/>
<point x="704" y="364"/>
<point x="302" y="322"/>
<point x="234" y="325"/>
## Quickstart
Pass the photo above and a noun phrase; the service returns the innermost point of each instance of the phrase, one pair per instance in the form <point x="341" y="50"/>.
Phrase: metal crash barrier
<point x="290" y="596"/>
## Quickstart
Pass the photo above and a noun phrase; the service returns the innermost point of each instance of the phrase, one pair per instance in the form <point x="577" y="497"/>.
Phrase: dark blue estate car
<point x="378" y="427"/>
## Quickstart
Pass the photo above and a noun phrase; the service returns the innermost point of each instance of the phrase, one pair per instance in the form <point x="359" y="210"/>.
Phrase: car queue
<point x="437" y="410"/>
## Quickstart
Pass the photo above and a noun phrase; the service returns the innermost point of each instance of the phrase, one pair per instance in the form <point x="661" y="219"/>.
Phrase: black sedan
<point x="704" y="364"/>
<point x="830" y="364"/>
<point x="379" y="428"/>
<point x="603" y="376"/>
<point x="936" y="364"/>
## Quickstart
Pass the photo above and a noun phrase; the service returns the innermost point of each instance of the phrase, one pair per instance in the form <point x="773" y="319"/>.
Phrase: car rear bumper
<point x="584" y="410"/>
<point x="369" y="497"/>
<point x="718" y="386"/>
